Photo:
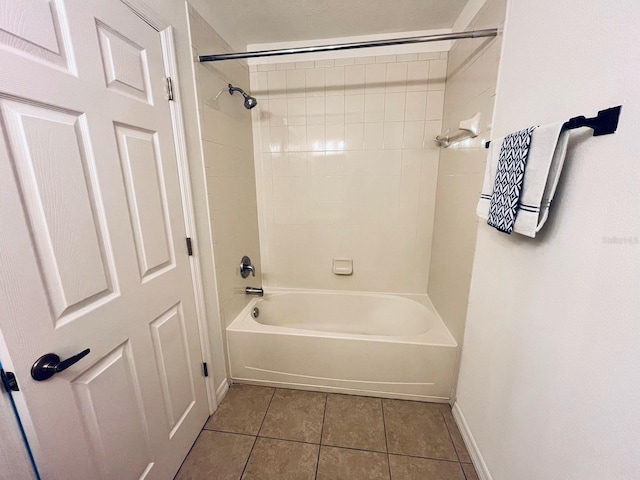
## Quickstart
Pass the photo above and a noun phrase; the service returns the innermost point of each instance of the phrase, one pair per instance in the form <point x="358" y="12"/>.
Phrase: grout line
<point x="256" y="437"/>
<point x="450" y="437"/>
<point x="424" y="458"/>
<point x="189" y="452"/>
<point x="464" y="474"/>
<point x="338" y="446"/>
<point x="386" y="442"/>
<point x="324" y="413"/>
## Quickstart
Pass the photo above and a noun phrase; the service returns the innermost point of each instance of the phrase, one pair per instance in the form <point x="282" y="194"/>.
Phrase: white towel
<point x="546" y="157"/>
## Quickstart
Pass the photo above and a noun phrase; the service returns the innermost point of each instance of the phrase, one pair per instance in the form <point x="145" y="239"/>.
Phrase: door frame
<point x="166" y="32"/>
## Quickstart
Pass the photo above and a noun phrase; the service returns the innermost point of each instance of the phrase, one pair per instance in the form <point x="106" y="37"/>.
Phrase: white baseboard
<point x="472" y="446"/>
<point x="222" y="390"/>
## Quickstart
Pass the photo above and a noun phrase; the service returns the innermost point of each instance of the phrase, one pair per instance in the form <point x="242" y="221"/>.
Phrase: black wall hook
<point x="605" y="123"/>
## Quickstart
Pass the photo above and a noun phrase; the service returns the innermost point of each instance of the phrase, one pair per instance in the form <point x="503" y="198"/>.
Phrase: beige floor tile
<point x="354" y="422"/>
<point x="216" y="455"/>
<point x="295" y="415"/>
<point x="342" y="464"/>
<point x="281" y="460"/>
<point x="411" y="468"/>
<point x="470" y="471"/>
<point x="456" y="436"/>
<point x="242" y="410"/>
<point x="418" y="429"/>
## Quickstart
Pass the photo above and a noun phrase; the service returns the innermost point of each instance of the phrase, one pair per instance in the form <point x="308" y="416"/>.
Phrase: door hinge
<point x="169" y="89"/>
<point x="189" y="247"/>
<point x="205" y="369"/>
<point x="9" y="381"/>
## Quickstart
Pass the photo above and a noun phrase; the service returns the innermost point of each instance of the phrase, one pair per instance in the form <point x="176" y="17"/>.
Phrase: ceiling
<point x="245" y="22"/>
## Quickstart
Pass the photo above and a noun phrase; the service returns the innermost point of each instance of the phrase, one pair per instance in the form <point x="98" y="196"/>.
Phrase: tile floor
<point x="267" y="433"/>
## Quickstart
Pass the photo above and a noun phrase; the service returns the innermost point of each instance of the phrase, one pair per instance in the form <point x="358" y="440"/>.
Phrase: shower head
<point x="249" y="101"/>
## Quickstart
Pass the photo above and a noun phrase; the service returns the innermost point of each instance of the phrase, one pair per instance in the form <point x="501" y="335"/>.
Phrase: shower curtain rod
<point x="489" y="32"/>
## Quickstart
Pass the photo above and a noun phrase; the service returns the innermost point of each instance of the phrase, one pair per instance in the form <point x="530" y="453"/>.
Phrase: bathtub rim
<point x="244" y="321"/>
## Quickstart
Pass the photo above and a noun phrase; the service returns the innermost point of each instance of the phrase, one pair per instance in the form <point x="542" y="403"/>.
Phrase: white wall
<point x="549" y="383"/>
<point x="347" y="168"/>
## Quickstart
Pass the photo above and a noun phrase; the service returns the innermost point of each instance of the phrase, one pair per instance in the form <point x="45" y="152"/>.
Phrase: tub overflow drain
<point x="256" y="312"/>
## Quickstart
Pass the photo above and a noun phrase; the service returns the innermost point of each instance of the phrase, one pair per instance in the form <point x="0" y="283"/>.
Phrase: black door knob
<point x="48" y="365"/>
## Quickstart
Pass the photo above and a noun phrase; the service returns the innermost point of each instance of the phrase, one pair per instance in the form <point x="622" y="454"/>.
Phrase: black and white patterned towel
<point x="514" y="152"/>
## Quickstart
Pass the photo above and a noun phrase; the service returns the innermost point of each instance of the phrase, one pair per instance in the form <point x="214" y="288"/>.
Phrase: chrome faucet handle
<point x="254" y="291"/>
<point x="246" y="267"/>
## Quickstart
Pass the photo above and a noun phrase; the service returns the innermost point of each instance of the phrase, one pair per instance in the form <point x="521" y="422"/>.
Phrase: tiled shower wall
<point x="471" y="87"/>
<point x="227" y="144"/>
<point x="346" y="167"/>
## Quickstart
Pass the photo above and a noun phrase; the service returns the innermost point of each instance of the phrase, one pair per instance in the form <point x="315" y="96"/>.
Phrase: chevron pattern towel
<point x="509" y="178"/>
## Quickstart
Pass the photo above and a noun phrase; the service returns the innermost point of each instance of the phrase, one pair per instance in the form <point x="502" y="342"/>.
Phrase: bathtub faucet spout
<point x="254" y="291"/>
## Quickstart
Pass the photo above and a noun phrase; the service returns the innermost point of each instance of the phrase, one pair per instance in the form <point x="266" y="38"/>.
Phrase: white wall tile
<point x="280" y="164"/>
<point x="278" y="139"/>
<point x="354" y="136"/>
<point x="344" y="61"/>
<point x="385" y="58"/>
<point x="295" y="83"/>
<point x="437" y="74"/>
<point x="373" y="135"/>
<point x="429" y="56"/>
<point x="354" y="79"/>
<point x="415" y="106"/>
<point x="315" y="110"/>
<point x="407" y="57"/>
<point x="334" y="137"/>
<point x="413" y="135"/>
<point x="346" y="165"/>
<point x="334" y="109"/>
<point x="417" y="76"/>
<point x="374" y="107"/>
<point x="277" y="80"/>
<point x="297" y="138"/>
<point x="316" y="138"/>
<point x="394" y="104"/>
<point x="267" y="67"/>
<point x="324" y="63"/>
<point x="432" y="128"/>
<point x="314" y="82"/>
<point x="375" y="78"/>
<point x="278" y="112"/>
<point x="334" y="79"/>
<point x="260" y="84"/>
<point x="393" y="135"/>
<point x="354" y="108"/>
<point x="435" y="105"/>
<point x="304" y="65"/>
<point x="296" y="110"/>
<point x="298" y="164"/>
<point x="396" y="77"/>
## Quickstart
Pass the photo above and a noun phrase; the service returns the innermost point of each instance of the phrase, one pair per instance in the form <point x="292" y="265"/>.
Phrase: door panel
<point x="54" y="173"/>
<point x="170" y="346"/>
<point x="124" y="63"/>
<point x="105" y="392"/>
<point x="92" y="217"/>
<point x="35" y="28"/>
<point x="139" y="156"/>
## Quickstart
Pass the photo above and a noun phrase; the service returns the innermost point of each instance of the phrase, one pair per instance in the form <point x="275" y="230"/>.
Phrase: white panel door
<point x="92" y="243"/>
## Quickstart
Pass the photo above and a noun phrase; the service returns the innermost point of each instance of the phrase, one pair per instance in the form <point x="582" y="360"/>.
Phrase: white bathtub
<point x="393" y="346"/>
